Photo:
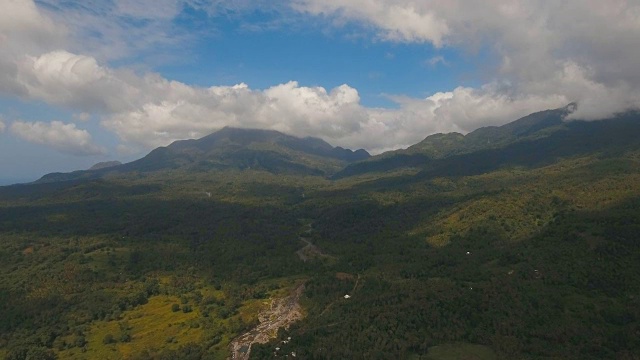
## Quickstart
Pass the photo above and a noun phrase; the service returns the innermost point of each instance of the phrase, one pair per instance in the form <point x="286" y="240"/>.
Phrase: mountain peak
<point x="532" y="140"/>
<point x="242" y="137"/>
<point x="242" y="148"/>
<point x="235" y="148"/>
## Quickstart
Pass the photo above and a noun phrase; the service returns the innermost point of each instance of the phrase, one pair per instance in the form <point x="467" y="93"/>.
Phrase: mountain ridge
<point x="521" y="243"/>
<point x="104" y="165"/>
<point x="276" y="152"/>
<point x="501" y="141"/>
<point x="268" y="150"/>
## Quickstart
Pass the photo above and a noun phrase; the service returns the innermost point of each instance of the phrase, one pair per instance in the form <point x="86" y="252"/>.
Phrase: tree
<point x="108" y="339"/>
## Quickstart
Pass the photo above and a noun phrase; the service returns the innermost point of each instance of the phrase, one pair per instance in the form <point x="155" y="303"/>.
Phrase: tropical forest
<point x="514" y="242"/>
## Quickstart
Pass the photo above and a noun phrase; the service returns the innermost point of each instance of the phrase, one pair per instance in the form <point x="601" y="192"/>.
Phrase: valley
<point x="513" y="242"/>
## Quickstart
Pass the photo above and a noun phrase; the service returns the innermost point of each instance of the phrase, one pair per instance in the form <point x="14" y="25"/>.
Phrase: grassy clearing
<point x="150" y="326"/>
<point x="460" y="351"/>
<point x="158" y="326"/>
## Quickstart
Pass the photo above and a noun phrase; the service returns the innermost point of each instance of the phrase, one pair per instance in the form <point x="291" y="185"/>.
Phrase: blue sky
<point x="98" y="80"/>
<point x="236" y="52"/>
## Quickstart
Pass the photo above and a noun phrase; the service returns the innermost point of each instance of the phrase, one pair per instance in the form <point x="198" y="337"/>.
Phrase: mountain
<point x="232" y="148"/>
<point x="533" y="140"/>
<point x="267" y="150"/>
<point x="519" y="241"/>
<point x="105" y="164"/>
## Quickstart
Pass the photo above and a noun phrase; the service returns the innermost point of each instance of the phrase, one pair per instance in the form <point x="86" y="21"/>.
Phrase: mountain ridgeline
<point x="534" y="140"/>
<point x="233" y="148"/>
<point x="105" y="164"/>
<point x="519" y="241"/>
<point x="245" y="148"/>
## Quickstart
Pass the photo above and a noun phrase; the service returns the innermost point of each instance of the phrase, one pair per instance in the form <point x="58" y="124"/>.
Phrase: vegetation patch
<point x="460" y="351"/>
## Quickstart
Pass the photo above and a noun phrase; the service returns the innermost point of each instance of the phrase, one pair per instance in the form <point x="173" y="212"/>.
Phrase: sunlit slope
<point x="234" y="149"/>
<point x="526" y="249"/>
<point x="536" y="140"/>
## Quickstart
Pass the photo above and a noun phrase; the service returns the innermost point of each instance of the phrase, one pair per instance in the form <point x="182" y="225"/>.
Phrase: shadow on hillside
<point x="604" y="138"/>
<point x="569" y="291"/>
<point x="145" y="218"/>
<point x="85" y="188"/>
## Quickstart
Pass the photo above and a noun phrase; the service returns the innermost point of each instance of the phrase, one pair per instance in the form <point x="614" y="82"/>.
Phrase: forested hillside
<point x="520" y="242"/>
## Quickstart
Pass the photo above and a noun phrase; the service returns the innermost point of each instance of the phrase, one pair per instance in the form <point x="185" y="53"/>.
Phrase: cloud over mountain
<point x="583" y="50"/>
<point x="545" y="56"/>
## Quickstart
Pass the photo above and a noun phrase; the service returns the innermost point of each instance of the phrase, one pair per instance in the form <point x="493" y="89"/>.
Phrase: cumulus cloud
<point x="548" y="54"/>
<point x="148" y="111"/>
<point x="79" y="82"/>
<point x="334" y="115"/>
<point x="60" y="77"/>
<point x="584" y="50"/>
<point x="65" y="138"/>
<point x="23" y="30"/>
<point x="462" y="110"/>
<point x="187" y="112"/>
<point x="2" y="126"/>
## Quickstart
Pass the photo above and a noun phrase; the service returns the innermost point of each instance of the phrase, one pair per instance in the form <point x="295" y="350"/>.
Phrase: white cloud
<point x="549" y="54"/>
<point x="144" y="31"/>
<point x="117" y="29"/>
<point x="187" y="112"/>
<point x="2" y="126"/>
<point x="584" y="50"/>
<point x="84" y="116"/>
<point x="149" y="111"/>
<point x="461" y="110"/>
<point x="62" y="137"/>
<point x="23" y="30"/>
<point x="435" y="60"/>
<point x="60" y="77"/>
<point x="408" y="21"/>
<point x="335" y="115"/>
<point x="80" y="83"/>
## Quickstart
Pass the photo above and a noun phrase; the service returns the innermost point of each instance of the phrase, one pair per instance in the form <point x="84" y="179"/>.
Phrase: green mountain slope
<point x="525" y="246"/>
<point x="536" y="139"/>
<point x="232" y="148"/>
